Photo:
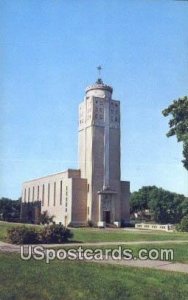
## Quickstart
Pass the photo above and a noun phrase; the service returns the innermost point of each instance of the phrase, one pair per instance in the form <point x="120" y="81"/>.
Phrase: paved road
<point x="152" y="264"/>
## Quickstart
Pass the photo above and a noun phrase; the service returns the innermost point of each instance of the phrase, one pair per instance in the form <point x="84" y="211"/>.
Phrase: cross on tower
<point x="99" y="68"/>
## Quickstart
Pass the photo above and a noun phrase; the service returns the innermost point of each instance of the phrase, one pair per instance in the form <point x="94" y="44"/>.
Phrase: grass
<point x="180" y="251"/>
<point x="119" y="235"/>
<point x="109" y="235"/>
<point x="21" y="280"/>
<point x="4" y="226"/>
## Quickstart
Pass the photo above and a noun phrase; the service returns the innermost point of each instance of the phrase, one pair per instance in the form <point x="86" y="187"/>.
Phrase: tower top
<point x="99" y="84"/>
<point x="99" y="80"/>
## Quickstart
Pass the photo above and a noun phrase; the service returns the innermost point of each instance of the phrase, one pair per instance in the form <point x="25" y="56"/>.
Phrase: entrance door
<point x="106" y="216"/>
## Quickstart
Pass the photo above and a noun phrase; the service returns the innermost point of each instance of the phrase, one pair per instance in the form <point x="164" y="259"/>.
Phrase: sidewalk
<point x="151" y="264"/>
<point x="6" y="247"/>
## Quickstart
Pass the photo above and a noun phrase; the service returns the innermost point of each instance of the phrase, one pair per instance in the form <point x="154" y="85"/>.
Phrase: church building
<point x="94" y="192"/>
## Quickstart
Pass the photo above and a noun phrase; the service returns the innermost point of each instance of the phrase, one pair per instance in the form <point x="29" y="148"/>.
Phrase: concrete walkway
<point x="6" y="247"/>
<point x="151" y="264"/>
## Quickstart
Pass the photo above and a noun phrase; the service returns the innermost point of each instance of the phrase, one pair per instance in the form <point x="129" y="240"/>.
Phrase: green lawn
<point x="21" y="280"/>
<point x="180" y="250"/>
<point x="112" y="235"/>
<point x="106" y="235"/>
<point x="4" y="226"/>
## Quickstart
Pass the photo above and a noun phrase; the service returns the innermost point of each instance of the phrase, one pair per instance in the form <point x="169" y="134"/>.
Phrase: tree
<point x="9" y="209"/>
<point x="183" y="226"/>
<point x="139" y="200"/>
<point x="179" y="124"/>
<point x="164" y="206"/>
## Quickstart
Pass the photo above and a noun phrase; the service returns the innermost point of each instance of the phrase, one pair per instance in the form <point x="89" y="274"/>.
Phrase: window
<point x="43" y="194"/>
<point x="54" y="192"/>
<point x="38" y="192"/>
<point x="66" y="204"/>
<point x="48" y="194"/>
<point x="61" y="184"/>
<point x="33" y="196"/>
<point x="88" y="187"/>
<point x="25" y="195"/>
<point x="29" y="195"/>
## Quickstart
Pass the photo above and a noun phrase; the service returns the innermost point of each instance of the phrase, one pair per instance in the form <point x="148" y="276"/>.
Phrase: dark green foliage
<point x="10" y="210"/>
<point x="179" y="124"/>
<point x="45" y="218"/>
<point x="29" y="235"/>
<point x="55" y="234"/>
<point x="90" y="223"/>
<point x="139" y="200"/>
<point x="22" y="235"/>
<point x="164" y="206"/>
<point x="183" y="226"/>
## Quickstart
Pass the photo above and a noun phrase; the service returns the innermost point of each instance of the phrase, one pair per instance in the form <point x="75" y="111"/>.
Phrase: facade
<point x="95" y="191"/>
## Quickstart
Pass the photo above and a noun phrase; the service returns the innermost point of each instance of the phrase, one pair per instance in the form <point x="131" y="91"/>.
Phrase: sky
<point x="49" y="52"/>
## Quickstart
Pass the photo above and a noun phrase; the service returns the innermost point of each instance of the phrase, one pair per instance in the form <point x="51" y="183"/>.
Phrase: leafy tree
<point x="139" y="200"/>
<point x="164" y="206"/>
<point x="9" y="209"/>
<point x="179" y="124"/>
<point x="183" y="226"/>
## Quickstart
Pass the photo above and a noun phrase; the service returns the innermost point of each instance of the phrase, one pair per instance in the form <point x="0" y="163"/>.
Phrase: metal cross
<point x="99" y="68"/>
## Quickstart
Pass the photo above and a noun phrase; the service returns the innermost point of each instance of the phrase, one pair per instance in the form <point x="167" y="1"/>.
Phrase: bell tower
<point x="99" y="153"/>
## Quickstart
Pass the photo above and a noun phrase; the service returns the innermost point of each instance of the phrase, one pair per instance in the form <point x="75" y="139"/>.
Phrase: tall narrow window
<point x="54" y="192"/>
<point x="33" y="196"/>
<point x="38" y="193"/>
<point x="48" y="194"/>
<point x="66" y="190"/>
<point x="29" y="195"/>
<point x="43" y="194"/>
<point x="61" y="185"/>
<point x="25" y="195"/>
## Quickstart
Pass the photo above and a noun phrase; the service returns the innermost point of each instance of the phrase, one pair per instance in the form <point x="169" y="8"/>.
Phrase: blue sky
<point x="50" y="50"/>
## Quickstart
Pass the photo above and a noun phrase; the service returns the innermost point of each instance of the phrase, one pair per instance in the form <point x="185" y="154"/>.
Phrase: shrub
<point x="55" y="233"/>
<point x="183" y="226"/>
<point x="90" y="223"/>
<point x="22" y="235"/>
<point x="45" y="218"/>
<point x="48" y="234"/>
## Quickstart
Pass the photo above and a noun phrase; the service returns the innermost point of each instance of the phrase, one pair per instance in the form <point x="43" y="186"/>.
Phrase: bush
<point x="45" y="218"/>
<point x="183" y="226"/>
<point x="127" y="224"/>
<point x="54" y="234"/>
<point x="22" y="235"/>
<point x="48" y="234"/>
<point x="90" y="223"/>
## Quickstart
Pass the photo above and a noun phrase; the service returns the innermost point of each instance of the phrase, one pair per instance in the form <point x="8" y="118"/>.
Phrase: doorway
<point x="106" y="216"/>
